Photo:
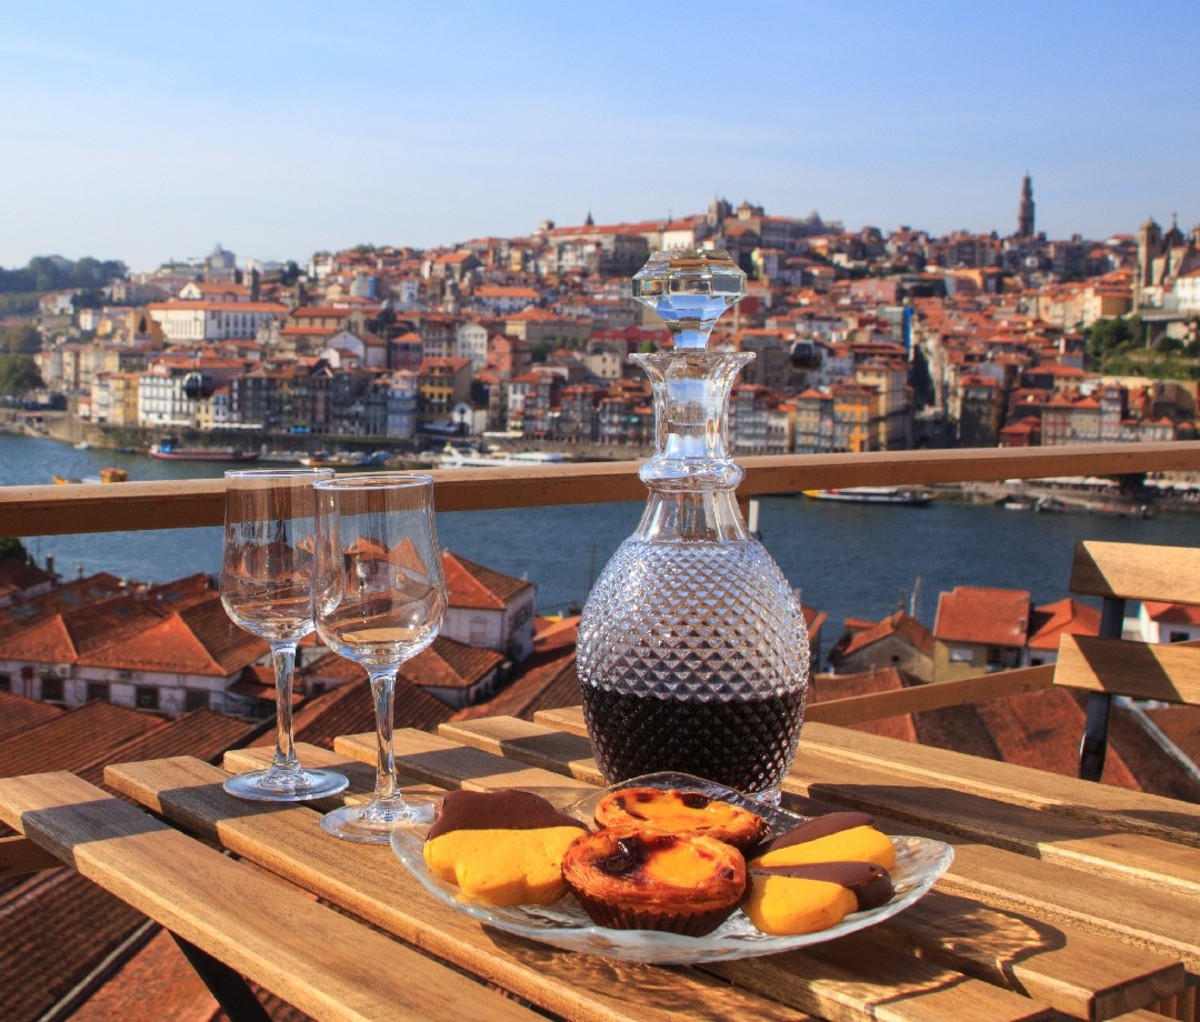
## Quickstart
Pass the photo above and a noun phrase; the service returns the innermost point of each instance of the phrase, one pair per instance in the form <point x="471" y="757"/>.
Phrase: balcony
<point x="56" y="510"/>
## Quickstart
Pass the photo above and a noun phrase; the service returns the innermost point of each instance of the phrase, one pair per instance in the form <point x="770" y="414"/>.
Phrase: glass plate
<point x="919" y="862"/>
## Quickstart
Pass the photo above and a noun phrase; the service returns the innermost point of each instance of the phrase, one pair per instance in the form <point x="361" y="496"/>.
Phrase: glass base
<point x="374" y="821"/>
<point x="286" y="786"/>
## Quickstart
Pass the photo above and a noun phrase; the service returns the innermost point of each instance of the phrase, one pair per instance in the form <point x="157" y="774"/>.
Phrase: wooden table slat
<point x="1102" y="804"/>
<point x="258" y="927"/>
<point x="913" y="989"/>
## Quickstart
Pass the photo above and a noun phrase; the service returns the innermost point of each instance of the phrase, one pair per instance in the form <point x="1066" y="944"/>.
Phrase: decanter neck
<point x="691" y="475"/>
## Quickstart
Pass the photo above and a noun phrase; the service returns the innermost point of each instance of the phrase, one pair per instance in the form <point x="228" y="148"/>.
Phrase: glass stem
<point x="283" y="656"/>
<point x="383" y="685"/>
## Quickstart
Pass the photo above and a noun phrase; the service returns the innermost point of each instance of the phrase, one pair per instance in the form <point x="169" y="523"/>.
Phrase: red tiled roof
<point x="472" y="585"/>
<point x="349" y="709"/>
<point x="156" y="983"/>
<point x="545" y="683"/>
<point x="201" y="733"/>
<point x="74" y="739"/>
<point x="18" y="713"/>
<point x="67" y="597"/>
<point x="18" y="574"/>
<point x="58" y="926"/>
<point x="550" y="634"/>
<point x="450" y="664"/>
<point x="899" y="624"/>
<point x="996" y="617"/>
<point x="1051" y="621"/>
<point x="198" y="640"/>
<point x="826" y="687"/>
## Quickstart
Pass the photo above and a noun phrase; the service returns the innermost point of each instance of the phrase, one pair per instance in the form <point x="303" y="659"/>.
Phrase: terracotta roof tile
<point x="18" y="714"/>
<point x="545" y="683"/>
<point x="1172" y="613"/>
<point x="201" y="639"/>
<point x="998" y="617"/>
<point x="349" y="709"/>
<point x="474" y="586"/>
<point x="1051" y="621"/>
<point x="57" y="926"/>
<point x="201" y="733"/>
<point x="73" y="740"/>
<point x="845" y="686"/>
<point x="156" y="983"/>
<point x="450" y="664"/>
<point x="899" y="624"/>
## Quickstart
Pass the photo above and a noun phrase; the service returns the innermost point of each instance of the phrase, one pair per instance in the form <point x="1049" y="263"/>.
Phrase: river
<point x="849" y="560"/>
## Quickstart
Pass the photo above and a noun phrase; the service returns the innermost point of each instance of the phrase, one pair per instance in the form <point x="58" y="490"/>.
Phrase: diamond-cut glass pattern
<point x="694" y="656"/>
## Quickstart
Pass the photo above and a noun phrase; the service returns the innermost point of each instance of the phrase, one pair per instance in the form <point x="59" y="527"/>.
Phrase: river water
<point x="849" y="560"/>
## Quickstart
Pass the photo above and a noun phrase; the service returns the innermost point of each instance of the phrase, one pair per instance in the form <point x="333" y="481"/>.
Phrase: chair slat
<point x="1141" y="670"/>
<point x="1137" y="571"/>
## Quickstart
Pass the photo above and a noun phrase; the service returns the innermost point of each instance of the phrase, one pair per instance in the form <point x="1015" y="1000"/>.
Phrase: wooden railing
<point x="57" y="510"/>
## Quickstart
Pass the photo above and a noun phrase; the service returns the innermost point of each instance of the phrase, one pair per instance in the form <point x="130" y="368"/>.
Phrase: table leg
<point x="229" y="988"/>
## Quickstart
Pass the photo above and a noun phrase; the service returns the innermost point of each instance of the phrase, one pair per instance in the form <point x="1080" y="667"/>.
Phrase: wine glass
<point x="266" y="587"/>
<point x="379" y="598"/>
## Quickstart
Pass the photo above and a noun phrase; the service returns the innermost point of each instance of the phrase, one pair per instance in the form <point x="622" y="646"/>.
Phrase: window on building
<point x="478" y="635"/>
<point x="961" y="655"/>
<point x="5" y="682"/>
<point x="97" y="690"/>
<point x="1178" y="636"/>
<point x="52" y="689"/>
<point x="195" y="699"/>
<point x="146" y="697"/>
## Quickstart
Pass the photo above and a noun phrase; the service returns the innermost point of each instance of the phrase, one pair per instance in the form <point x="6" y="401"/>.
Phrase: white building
<point x="1168" y="622"/>
<point x="402" y="404"/>
<point x="487" y="609"/>
<point x="212" y="321"/>
<point x="471" y="341"/>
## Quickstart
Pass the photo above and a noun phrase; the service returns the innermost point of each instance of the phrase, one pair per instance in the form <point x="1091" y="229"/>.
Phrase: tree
<point x="23" y="339"/>
<point x="19" y="375"/>
<point x="12" y="549"/>
<point x="1105" y="337"/>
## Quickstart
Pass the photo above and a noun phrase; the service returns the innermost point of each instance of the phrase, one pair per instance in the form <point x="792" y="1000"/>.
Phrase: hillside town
<point x="865" y="340"/>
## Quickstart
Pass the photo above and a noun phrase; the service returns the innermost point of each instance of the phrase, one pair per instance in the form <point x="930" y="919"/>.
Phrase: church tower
<point x="1025" y="209"/>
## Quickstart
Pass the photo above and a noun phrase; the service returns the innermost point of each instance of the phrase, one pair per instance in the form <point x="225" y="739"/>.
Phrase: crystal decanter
<point x="693" y="653"/>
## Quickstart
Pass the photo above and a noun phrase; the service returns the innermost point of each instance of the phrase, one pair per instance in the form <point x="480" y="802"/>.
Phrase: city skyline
<point x="145" y="134"/>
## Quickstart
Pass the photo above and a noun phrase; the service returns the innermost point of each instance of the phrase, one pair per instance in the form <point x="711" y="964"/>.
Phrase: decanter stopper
<point x="689" y="289"/>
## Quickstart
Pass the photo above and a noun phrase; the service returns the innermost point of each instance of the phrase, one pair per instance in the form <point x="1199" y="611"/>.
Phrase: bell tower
<point x="1025" y="209"/>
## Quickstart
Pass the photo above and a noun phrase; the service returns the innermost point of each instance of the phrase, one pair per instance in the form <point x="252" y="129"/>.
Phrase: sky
<point x="153" y="131"/>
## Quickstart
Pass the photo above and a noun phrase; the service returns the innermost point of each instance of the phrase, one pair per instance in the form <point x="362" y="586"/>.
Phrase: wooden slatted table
<point x="1064" y="900"/>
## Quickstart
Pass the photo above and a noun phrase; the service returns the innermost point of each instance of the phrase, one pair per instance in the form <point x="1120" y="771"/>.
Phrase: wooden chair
<point x="1108" y="665"/>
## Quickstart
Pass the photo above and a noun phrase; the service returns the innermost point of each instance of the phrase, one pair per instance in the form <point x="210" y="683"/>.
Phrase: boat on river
<point x="454" y="457"/>
<point x="344" y="459"/>
<point x="169" y="449"/>
<point x="874" y="495"/>
<point x="107" y="475"/>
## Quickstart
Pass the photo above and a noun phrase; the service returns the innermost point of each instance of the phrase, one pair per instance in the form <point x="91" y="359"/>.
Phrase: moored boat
<point x="453" y="457"/>
<point x="874" y="495"/>
<point x="169" y="449"/>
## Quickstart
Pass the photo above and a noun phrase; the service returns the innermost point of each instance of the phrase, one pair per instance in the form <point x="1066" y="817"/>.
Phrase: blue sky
<point x="144" y="131"/>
